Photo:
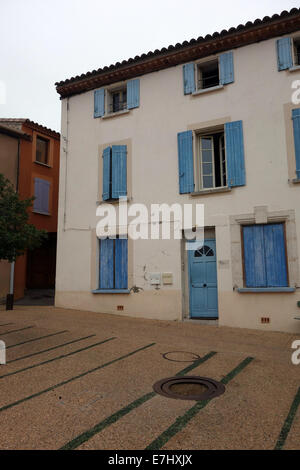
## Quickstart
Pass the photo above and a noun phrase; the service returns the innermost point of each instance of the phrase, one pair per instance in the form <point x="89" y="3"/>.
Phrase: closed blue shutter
<point x="99" y="103"/>
<point x="133" y="94"/>
<point x="185" y="162"/>
<point x="275" y="255"/>
<point x="41" y="193"/>
<point x="121" y="263"/>
<point x="265" y="256"/>
<point x="106" y="173"/>
<point x="296" y="125"/>
<point x="119" y="171"/>
<point x="106" y="271"/>
<point x="189" y="78"/>
<point x="226" y="68"/>
<point x="284" y="53"/>
<point x="254" y="256"/>
<point x="235" y="153"/>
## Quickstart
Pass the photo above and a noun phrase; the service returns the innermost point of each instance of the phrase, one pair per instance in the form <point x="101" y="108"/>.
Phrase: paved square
<point x="82" y="380"/>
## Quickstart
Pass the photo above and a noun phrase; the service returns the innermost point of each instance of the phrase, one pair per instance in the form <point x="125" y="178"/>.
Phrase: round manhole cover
<point x="181" y="356"/>
<point x="189" y="388"/>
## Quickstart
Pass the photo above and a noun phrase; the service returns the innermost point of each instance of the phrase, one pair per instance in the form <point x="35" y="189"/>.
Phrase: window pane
<point x="42" y="150"/>
<point x="207" y="181"/>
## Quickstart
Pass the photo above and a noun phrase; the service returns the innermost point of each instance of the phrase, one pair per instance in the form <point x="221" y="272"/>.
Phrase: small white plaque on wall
<point x="155" y="279"/>
<point x="167" y="278"/>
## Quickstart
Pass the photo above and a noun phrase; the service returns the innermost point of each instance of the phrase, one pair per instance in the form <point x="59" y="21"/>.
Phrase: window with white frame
<point x="208" y="74"/>
<point x="296" y="51"/>
<point x="211" y="160"/>
<point x="117" y="99"/>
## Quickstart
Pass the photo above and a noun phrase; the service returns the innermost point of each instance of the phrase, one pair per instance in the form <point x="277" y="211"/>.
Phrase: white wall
<point x="258" y="97"/>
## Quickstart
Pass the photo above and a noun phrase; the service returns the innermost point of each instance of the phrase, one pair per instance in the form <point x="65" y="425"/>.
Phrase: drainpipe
<point x="10" y="296"/>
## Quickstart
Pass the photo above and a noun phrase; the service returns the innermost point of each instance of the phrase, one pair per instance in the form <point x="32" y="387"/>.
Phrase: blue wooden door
<point x="203" y="280"/>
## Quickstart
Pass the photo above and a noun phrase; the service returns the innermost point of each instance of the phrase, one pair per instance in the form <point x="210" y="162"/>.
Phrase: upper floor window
<point x="42" y="150"/>
<point x="211" y="73"/>
<point x="288" y="53"/>
<point x="114" y="175"/>
<point x="297" y="51"/>
<point x="117" y="98"/>
<point x="211" y="160"/>
<point x="41" y="194"/>
<point x="208" y="75"/>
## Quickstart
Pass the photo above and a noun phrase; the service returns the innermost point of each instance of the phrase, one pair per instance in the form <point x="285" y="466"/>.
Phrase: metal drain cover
<point x="189" y="388"/>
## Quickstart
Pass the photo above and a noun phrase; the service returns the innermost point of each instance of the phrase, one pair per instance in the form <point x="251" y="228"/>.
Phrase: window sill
<point x="296" y="181"/>
<point x="266" y="289"/>
<point x="118" y="113"/>
<point x="223" y="189"/>
<point x="41" y="213"/>
<point x="111" y="291"/>
<point x="295" y="68"/>
<point x="207" y="90"/>
<point x="111" y="201"/>
<point x="43" y="164"/>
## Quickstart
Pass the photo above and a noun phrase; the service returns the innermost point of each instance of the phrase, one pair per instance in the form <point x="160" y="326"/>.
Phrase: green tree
<point x="16" y="234"/>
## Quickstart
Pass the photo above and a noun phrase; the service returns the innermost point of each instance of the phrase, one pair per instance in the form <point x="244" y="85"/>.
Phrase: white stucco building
<point x="213" y="122"/>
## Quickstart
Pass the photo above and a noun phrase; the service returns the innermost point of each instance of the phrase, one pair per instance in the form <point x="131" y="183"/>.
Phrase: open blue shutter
<point x="106" y="173"/>
<point x="121" y="263"/>
<point x="254" y="256"/>
<point x="41" y="193"/>
<point x="106" y="268"/>
<point x="275" y="255"/>
<point x="119" y="171"/>
<point x="99" y="103"/>
<point x="296" y="125"/>
<point x="133" y="94"/>
<point x="226" y="68"/>
<point x="185" y="162"/>
<point x="189" y="78"/>
<point x="235" y="153"/>
<point x="284" y="53"/>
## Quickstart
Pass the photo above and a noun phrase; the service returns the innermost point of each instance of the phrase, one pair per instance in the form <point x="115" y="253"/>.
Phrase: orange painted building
<point x="38" y="176"/>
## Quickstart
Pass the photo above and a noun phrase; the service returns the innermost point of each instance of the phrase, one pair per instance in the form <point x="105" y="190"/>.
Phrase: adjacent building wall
<point x="8" y="167"/>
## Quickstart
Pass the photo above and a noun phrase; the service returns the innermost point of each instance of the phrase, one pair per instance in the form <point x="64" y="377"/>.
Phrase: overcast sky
<point x="45" y="41"/>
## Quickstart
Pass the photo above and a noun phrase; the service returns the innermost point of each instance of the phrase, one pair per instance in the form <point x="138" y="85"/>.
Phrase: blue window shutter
<point x="106" y="181"/>
<point x="99" y="103"/>
<point x="296" y="125"/>
<point x="189" y="78"/>
<point x="284" y="53"/>
<point x="235" y="153"/>
<point x="275" y="255"/>
<point x="226" y="68"/>
<point x="106" y="271"/>
<point x="133" y="94"/>
<point x="121" y="263"/>
<point x="185" y="162"/>
<point x="254" y="256"/>
<point x="41" y="193"/>
<point x="37" y="194"/>
<point x="119" y="171"/>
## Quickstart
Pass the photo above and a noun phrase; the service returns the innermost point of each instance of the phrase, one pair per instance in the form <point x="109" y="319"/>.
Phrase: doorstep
<point x="202" y="321"/>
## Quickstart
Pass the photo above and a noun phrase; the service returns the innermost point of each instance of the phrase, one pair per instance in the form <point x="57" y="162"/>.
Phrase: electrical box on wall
<point x="155" y="279"/>
<point x="167" y="278"/>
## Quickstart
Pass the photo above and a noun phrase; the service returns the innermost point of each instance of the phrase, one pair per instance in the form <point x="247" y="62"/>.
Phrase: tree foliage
<point x="16" y="234"/>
